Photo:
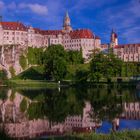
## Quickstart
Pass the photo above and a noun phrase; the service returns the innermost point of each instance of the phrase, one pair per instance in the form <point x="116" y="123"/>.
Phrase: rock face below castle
<point x="9" y="57"/>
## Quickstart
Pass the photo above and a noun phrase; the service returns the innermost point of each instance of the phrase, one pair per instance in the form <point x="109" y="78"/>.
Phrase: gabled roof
<point x="126" y="45"/>
<point x="38" y="31"/>
<point x="13" y="26"/>
<point x="81" y="33"/>
<point x="52" y="32"/>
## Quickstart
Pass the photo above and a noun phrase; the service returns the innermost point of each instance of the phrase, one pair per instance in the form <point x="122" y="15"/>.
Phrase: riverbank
<point x="122" y="135"/>
<point x="31" y="83"/>
<point x="68" y="83"/>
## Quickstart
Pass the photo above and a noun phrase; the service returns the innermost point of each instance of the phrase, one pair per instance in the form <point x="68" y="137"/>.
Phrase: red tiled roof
<point x="97" y="37"/>
<point x="126" y="45"/>
<point x="38" y="31"/>
<point x="13" y="26"/>
<point x="82" y="33"/>
<point x="52" y="32"/>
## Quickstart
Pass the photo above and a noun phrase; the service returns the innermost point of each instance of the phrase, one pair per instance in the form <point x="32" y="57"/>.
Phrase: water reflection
<point x="38" y="112"/>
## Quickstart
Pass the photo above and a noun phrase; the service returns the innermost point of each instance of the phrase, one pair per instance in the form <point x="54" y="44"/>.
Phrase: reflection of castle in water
<point x="16" y="123"/>
<point x="131" y="111"/>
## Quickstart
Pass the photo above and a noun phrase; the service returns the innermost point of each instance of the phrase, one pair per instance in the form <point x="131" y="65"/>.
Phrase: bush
<point x="23" y="105"/>
<point x="12" y="71"/>
<point x="3" y="75"/>
<point x="23" y="62"/>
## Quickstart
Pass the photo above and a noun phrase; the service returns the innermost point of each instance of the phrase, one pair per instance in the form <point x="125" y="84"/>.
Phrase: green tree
<point x="23" y="62"/>
<point x="3" y="75"/>
<point x="55" y="61"/>
<point x="12" y="71"/>
<point x="75" y="57"/>
<point x="105" y="65"/>
<point x="35" y="56"/>
<point x="81" y="76"/>
<point x="23" y="105"/>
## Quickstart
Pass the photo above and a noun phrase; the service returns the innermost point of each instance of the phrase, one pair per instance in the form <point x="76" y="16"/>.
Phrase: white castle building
<point x="16" y="33"/>
<point x="126" y="52"/>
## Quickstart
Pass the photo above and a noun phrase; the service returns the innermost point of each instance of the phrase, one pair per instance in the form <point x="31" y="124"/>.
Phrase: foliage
<point x="59" y="64"/>
<point x="124" y="135"/>
<point x="94" y="53"/>
<point x="12" y="71"/>
<point x="3" y="93"/>
<point x="23" y="105"/>
<point x="55" y="62"/>
<point x="23" y="62"/>
<point x="33" y="73"/>
<point x="12" y="96"/>
<point x="75" y="57"/>
<point x="106" y="66"/>
<point x="71" y="70"/>
<point x="95" y="77"/>
<point x="35" y="56"/>
<point x="3" y="75"/>
<point x="131" y="69"/>
<point x="81" y="76"/>
<point x="35" y="110"/>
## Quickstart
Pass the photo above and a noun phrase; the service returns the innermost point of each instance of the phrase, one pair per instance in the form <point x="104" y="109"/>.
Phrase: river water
<point x="37" y="112"/>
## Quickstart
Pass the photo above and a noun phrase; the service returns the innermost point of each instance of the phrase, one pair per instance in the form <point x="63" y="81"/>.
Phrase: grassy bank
<point x="124" y="135"/>
<point x="31" y="83"/>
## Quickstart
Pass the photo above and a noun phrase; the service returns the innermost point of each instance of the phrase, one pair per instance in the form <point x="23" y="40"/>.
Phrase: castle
<point x="18" y="34"/>
<point x="15" y="38"/>
<point x="126" y="52"/>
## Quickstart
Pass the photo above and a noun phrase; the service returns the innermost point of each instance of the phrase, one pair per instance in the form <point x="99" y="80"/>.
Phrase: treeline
<point x="39" y="56"/>
<point x="59" y="64"/>
<point x="107" y="66"/>
<point x="54" y="59"/>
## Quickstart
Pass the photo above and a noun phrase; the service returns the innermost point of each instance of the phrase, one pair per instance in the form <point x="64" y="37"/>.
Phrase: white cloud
<point x="12" y="6"/>
<point x="125" y="19"/>
<point x="2" y="5"/>
<point x="35" y="8"/>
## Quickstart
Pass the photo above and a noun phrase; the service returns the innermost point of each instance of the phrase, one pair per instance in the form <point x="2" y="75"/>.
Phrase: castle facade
<point x="16" y="33"/>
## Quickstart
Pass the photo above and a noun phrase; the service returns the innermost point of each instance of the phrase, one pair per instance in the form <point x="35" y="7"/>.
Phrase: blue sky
<point x="98" y="15"/>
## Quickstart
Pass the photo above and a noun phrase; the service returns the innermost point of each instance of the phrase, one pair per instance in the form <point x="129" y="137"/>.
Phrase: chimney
<point x="0" y="18"/>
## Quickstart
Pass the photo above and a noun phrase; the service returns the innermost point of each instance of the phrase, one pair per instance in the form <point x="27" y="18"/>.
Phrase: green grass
<point x="123" y="135"/>
<point x="38" y="72"/>
<point x="31" y="83"/>
<point x="33" y="73"/>
<point x="73" y="68"/>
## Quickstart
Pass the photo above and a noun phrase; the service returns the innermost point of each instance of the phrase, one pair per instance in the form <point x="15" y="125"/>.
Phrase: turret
<point x="67" y="24"/>
<point x="113" y="39"/>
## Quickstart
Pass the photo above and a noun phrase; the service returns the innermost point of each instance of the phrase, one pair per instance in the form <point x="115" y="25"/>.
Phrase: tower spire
<point x="113" y="38"/>
<point x="67" y="14"/>
<point x="67" y="24"/>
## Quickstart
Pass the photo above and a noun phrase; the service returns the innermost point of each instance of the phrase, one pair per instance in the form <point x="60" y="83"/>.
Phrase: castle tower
<point x="67" y="24"/>
<point x="113" y="39"/>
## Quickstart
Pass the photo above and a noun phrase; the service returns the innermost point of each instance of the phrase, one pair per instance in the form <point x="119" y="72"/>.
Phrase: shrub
<point x="23" y="105"/>
<point x="3" y="75"/>
<point x="12" y="71"/>
<point x="23" y="62"/>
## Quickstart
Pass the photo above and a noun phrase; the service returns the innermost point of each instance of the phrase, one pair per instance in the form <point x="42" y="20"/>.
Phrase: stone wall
<point x="9" y="57"/>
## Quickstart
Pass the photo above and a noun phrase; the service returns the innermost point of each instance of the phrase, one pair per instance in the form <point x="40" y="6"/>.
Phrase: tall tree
<point x="55" y="61"/>
<point x="106" y="65"/>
